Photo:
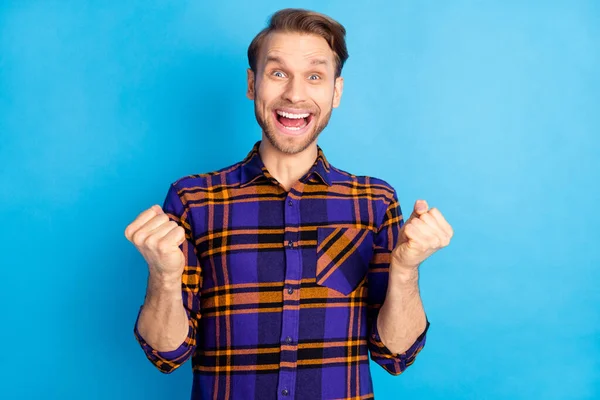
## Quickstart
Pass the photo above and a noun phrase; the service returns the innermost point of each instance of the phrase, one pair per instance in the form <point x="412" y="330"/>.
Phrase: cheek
<point x="266" y="86"/>
<point x="323" y="96"/>
<point x="265" y="94"/>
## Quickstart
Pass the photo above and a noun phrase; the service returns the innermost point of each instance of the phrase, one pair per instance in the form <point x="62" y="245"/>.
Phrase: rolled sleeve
<point x="394" y="363"/>
<point x="168" y="361"/>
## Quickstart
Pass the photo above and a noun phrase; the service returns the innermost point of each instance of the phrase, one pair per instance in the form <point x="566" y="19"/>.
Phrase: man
<point x="279" y="274"/>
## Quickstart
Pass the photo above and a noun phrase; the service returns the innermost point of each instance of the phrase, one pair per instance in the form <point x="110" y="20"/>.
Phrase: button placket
<point x="290" y="312"/>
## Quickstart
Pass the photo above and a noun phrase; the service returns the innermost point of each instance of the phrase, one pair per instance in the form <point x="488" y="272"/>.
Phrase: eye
<point x="278" y="74"/>
<point x="314" y="77"/>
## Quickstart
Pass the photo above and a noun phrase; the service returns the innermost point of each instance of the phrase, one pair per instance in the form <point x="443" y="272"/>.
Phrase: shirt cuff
<point x="167" y="361"/>
<point x="395" y="363"/>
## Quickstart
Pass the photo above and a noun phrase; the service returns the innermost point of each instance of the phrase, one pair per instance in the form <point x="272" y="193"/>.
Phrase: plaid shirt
<point x="283" y="289"/>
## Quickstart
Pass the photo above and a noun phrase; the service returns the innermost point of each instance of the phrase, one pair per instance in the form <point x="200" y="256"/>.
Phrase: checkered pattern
<point x="283" y="288"/>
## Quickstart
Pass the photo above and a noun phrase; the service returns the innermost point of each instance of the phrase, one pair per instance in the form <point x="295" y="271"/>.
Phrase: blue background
<point x="488" y="110"/>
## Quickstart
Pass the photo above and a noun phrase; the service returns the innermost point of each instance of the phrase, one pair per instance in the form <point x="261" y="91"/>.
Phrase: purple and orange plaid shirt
<point x="283" y="289"/>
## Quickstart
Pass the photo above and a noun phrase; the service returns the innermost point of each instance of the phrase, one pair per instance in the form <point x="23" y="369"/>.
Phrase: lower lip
<point x="288" y="132"/>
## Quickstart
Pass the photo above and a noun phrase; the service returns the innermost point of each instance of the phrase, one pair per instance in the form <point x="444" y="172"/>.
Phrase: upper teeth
<point x="292" y="116"/>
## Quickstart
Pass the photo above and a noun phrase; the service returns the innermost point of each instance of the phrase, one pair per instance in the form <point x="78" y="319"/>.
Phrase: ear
<point x="337" y="91"/>
<point x="250" y="90"/>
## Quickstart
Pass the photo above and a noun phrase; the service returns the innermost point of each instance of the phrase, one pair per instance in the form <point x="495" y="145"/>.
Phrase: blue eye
<point x="316" y="76"/>
<point x="281" y="75"/>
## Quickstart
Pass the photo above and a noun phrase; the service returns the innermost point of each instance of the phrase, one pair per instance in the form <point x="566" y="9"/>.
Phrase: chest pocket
<point x="343" y="256"/>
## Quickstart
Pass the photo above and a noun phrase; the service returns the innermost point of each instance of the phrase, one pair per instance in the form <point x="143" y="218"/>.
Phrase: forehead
<point x="296" y="47"/>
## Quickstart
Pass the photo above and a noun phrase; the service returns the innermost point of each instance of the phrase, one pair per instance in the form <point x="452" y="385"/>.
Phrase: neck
<point x="287" y="168"/>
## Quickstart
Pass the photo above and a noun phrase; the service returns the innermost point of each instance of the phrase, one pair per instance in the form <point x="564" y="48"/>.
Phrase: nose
<point x="295" y="91"/>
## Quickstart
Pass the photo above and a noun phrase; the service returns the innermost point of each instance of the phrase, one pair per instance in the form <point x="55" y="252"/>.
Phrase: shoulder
<point x="379" y="189"/>
<point x="202" y="182"/>
<point x="378" y="192"/>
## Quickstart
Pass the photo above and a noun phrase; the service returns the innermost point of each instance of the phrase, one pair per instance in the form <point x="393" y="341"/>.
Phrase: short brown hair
<point x="304" y="21"/>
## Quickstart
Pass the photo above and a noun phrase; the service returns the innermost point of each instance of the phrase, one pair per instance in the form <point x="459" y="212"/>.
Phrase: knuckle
<point x="411" y="229"/>
<point x="150" y="241"/>
<point x="172" y="224"/>
<point x="446" y="239"/>
<point x="163" y="245"/>
<point x="138" y="238"/>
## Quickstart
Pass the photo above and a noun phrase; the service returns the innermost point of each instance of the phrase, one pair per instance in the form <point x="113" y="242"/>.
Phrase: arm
<point x="402" y="318"/>
<point x="396" y="317"/>
<point x="167" y="322"/>
<point x="163" y="321"/>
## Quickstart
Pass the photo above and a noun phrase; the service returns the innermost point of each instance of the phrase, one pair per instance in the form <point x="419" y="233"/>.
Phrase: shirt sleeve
<point x="384" y="243"/>
<point x="169" y="361"/>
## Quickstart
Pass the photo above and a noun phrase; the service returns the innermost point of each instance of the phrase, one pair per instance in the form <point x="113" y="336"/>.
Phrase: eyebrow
<point x="319" y="61"/>
<point x="274" y="59"/>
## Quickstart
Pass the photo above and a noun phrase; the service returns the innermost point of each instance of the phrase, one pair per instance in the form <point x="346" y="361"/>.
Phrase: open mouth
<point x="293" y="122"/>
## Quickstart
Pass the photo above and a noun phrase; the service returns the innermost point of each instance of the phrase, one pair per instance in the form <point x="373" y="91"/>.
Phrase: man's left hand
<point x="424" y="233"/>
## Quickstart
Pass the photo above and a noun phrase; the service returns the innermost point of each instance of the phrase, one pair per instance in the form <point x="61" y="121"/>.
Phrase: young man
<point x="281" y="273"/>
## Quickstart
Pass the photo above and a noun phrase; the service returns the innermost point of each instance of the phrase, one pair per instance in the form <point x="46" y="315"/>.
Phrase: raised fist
<point x="158" y="238"/>
<point x="424" y="233"/>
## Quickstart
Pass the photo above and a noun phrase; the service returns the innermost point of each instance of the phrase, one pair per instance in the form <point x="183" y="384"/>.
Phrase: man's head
<point x="294" y="76"/>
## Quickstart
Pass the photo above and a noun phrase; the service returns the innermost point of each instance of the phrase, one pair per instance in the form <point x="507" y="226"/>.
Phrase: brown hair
<point x="303" y="21"/>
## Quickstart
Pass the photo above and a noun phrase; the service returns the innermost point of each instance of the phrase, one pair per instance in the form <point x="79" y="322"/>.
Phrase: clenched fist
<point x="158" y="239"/>
<point x="425" y="232"/>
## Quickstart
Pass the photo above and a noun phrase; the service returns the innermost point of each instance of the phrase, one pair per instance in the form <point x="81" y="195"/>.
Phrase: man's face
<point x="294" y="89"/>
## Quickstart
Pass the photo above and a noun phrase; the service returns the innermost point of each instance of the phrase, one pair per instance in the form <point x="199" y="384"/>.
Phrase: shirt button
<point x="290" y="203"/>
<point x="290" y="290"/>
<point x="288" y="340"/>
<point x="291" y="244"/>
<point x="285" y="392"/>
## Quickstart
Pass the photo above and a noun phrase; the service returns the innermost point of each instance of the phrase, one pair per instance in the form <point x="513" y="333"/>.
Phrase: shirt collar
<point x="252" y="167"/>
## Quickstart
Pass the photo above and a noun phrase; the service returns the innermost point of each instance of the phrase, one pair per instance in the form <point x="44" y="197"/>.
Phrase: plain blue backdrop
<point x="490" y="110"/>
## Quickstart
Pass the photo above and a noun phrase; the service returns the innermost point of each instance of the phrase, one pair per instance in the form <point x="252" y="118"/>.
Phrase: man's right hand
<point x="158" y="239"/>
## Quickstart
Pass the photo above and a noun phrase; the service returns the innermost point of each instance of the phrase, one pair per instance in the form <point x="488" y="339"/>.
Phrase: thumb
<point x="420" y="208"/>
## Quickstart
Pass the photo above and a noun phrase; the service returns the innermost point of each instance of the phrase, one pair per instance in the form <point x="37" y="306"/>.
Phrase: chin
<point x="287" y="144"/>
<point x="291" y="142"/>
